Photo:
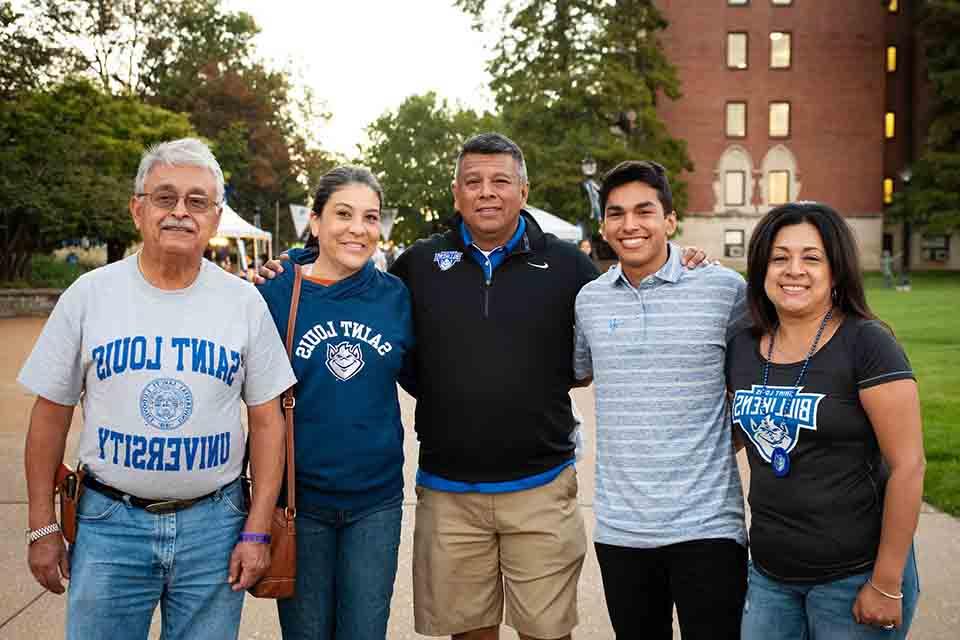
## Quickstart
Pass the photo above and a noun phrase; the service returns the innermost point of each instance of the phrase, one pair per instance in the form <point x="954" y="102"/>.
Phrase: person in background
<point x="586" y="246"/>
<point x="826" y="402"/>
<point x="353" y="335"/>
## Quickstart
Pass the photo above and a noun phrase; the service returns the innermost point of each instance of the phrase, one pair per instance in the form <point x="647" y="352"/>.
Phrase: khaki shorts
<point x="479" y="559"/>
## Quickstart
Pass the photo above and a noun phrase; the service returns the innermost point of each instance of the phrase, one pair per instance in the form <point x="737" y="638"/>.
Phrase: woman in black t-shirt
<point x="826" y="403"/>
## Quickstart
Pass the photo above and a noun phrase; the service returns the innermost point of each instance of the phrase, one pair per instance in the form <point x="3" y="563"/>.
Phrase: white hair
<point x="185" y="152"/>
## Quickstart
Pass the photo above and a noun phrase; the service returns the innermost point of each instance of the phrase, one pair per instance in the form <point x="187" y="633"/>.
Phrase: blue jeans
<point x="346" y="565"/>
<point x="775" y="610"/>
<point x="127" y="560"/>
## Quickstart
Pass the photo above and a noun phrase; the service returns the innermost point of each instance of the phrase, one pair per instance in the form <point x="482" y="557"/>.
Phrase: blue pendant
<point x="780" y="461"/>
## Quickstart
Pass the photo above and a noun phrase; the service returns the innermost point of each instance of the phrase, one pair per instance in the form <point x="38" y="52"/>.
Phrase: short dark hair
<point x="648" y="172"/>
<point x="493" y="143"/>
<point x="336" y="179"/>
<point x="839" y="244"/>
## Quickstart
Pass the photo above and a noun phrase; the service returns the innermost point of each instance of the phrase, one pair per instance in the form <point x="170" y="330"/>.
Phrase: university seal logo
<point x="166" y="403"/>
<point x="344" y="360"/>
<point x="446" y="259"/>
<point x="772" y="417"/>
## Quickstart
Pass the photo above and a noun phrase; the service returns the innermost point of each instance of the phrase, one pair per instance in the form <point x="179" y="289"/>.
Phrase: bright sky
<point x="364" y="57"/>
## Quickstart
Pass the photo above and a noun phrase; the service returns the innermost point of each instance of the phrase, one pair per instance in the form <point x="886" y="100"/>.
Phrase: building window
<point x="779" y="50"/>
<point x="890" y="125"/>
<point x="893" y="6"/>
<point x="887" y="190"/>
<point x="891" y="59"/>
<point x="778" y="186"/>
<point x="737" y="3"/>
<point x="779" y="119"/>
<point x="736" y="120"/>
<point x="736" y="51"/>
<point x="935" y="248"/>
<point x="781" y="3"/>
<point x="733" y="243"/>
<point x="734" y="187"/>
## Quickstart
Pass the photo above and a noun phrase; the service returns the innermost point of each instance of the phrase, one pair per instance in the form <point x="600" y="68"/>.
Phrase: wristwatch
<point x="35" y="534"/>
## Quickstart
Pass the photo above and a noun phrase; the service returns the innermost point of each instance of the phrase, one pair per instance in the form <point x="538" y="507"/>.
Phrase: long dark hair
<point x="334" y="180"/>
<point x="842" y="256"/>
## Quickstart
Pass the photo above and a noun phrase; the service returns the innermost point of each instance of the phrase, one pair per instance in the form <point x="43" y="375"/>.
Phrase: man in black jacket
<point x="498" y="528"/>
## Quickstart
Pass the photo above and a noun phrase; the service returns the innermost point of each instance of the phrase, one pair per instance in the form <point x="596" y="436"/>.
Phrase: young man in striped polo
<point x="669" y="506"/>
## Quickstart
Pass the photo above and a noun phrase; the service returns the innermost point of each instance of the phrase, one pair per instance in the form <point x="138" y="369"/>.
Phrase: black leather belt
<point x="147" y="504"/>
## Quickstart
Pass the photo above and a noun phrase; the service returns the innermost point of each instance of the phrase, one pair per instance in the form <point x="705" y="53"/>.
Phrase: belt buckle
<point x="167" y="506"/>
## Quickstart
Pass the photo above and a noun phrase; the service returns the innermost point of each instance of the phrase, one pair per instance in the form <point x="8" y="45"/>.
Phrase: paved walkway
<point x="29" y="613"/>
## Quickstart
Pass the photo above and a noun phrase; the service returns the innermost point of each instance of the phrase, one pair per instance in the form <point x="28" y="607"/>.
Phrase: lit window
<point x="778" y="187"/>
<point x="779" y="50"/>
<point x="733" y="188"/>
<point x="736" y="50"/>
<point x="893" y="6"/>
<point x="733" y="243"/>
<point x="781" y="3"/>
<point x="779" y="119"/>
<point x="737" y="3"/>
<point x="887" y="190"/>
<point x="891" y="59"/>
<point x="890" y="125"/>
<point x="736" y="119"/>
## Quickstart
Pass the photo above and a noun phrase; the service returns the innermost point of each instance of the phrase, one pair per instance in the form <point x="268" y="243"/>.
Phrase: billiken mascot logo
<point x="773" y="416"/>
<point x="344" y="360"/>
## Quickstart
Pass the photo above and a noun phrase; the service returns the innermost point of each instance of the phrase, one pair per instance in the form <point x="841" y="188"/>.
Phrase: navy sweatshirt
<point x="351" y="341"/>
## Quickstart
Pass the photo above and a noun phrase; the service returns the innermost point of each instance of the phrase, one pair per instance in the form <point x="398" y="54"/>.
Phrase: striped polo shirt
<point x="666" y="470"/>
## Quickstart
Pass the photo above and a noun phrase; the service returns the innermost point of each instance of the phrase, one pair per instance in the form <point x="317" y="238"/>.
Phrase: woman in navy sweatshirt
<point x="352" y="340"/>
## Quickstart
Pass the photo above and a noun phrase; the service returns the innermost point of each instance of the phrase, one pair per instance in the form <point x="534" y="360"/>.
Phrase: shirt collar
<point x="511" y="243"/>
<point x="669" y="272"/>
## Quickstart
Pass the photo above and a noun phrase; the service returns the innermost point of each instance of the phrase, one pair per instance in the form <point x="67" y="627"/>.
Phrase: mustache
<point x="178" y="223"/>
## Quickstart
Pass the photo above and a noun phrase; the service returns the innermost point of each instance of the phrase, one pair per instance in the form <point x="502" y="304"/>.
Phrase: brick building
<point x="797" y="100"/>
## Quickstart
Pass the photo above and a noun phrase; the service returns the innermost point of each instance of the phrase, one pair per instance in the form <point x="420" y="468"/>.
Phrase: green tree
<point x="413" y="151"/>
<point x="69" y="156"/>
<point x="933" y="197"/>
<point x="26" y="56"/>
<point x="576" y="78"/>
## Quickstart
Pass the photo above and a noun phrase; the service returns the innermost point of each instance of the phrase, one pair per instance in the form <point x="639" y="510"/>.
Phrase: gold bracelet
<point x="892" y="596"/>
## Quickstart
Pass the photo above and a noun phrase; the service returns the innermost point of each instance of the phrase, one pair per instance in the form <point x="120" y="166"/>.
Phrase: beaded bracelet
<point x="892" y="596"/>
<point x="259" y="538"/>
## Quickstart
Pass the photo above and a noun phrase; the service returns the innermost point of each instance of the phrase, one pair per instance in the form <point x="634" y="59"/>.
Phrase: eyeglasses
<point x="196" y="203"/>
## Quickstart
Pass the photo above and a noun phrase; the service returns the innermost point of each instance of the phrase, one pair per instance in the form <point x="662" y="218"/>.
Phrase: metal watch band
<point x="36" y="534"/>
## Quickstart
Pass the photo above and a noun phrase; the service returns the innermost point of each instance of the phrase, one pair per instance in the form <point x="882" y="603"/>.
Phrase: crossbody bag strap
<point x="289" y="400"/>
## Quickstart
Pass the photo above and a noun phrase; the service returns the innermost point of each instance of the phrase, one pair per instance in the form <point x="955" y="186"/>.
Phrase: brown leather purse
<point x="281" y="578"/>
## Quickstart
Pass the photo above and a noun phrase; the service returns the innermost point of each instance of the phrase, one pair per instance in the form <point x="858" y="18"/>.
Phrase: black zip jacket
<point x="494" y="359"/>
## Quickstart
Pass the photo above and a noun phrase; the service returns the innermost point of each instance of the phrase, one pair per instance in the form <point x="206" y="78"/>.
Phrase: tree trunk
<point x="115" y="251"/>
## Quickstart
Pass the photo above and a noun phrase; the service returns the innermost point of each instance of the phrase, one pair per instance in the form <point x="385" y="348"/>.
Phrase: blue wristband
<point x="258" y="538"/>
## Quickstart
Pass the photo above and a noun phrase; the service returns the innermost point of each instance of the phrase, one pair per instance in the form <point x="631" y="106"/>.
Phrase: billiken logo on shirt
<point x="772" y="417"/>
<point x="344" y="357"/>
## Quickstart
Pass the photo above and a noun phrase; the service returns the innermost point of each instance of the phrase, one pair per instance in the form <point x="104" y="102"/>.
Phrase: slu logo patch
<point x="344" y="360"/>
<point x="166" y="403"/>
<point x="446" y="259"/>
<point x="773" y="416"/>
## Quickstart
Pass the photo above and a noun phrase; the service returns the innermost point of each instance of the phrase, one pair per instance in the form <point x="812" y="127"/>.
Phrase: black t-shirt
<point x="820" y="522"/>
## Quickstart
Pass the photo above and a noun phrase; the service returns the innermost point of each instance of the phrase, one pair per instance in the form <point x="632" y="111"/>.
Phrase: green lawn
<point x="927" y="323"/>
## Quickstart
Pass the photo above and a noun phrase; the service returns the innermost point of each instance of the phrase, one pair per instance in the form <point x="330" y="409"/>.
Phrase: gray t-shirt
<point x="160" y="375"/>
<point x="666" y="471"/>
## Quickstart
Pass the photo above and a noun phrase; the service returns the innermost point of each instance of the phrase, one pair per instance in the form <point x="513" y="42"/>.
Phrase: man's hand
<point x="48" y="562"/>
<point x="693" y="257"/>
<point x="248" y="562"/>
<point x="269" y="269"/>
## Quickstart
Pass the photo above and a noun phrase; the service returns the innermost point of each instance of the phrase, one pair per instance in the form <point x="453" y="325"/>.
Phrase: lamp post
<point x="905" y="176"/>
<point x="589" y="168"/>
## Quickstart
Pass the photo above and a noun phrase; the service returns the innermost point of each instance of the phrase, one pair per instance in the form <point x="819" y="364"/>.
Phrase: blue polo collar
<point x="496" y="257"/>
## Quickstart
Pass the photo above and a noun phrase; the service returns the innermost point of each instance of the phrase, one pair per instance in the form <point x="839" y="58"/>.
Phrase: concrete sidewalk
<point x="29" y="613"/>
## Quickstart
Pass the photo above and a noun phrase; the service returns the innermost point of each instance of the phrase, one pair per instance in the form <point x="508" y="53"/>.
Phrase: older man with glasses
<point x="161" y="347"/>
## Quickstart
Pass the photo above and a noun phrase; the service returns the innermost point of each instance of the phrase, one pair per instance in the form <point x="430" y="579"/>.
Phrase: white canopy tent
<point x="557" y="226"/>
<point x="235" y="227"/>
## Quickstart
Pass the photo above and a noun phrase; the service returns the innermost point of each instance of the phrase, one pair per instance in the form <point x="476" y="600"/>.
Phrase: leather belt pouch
<point x="69" y="486"/>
